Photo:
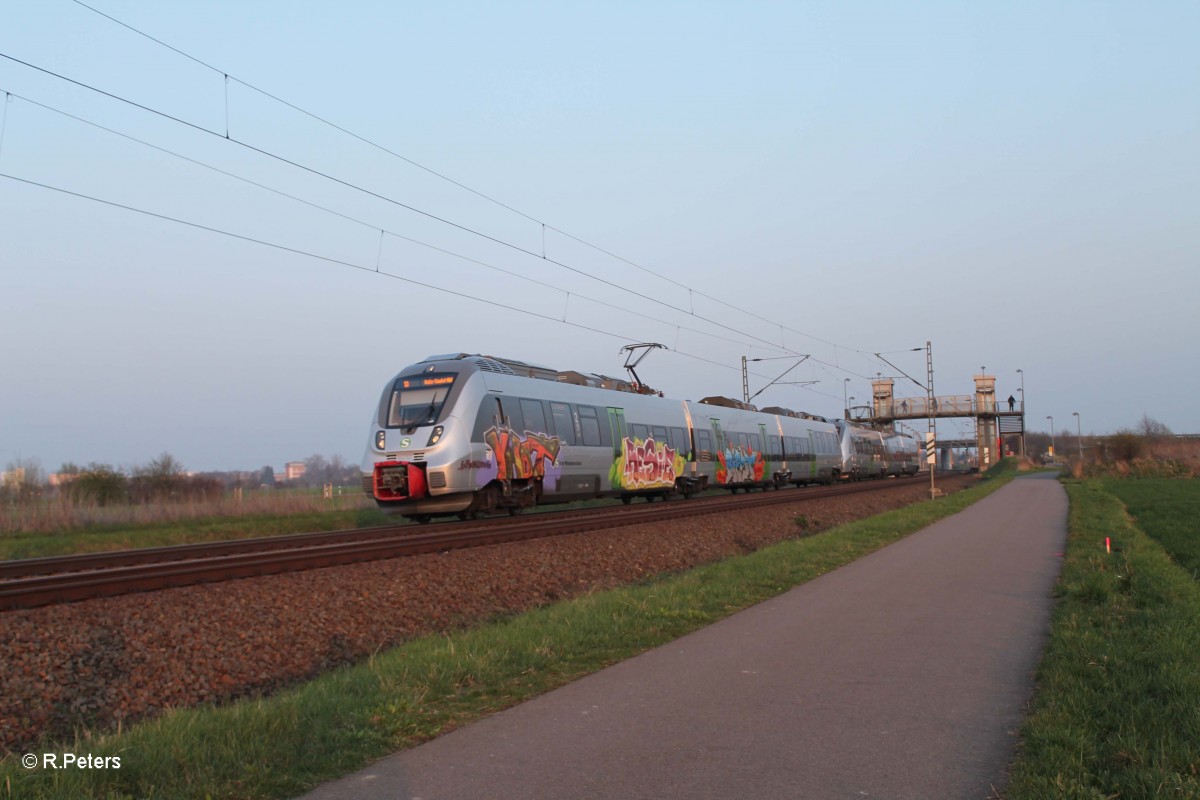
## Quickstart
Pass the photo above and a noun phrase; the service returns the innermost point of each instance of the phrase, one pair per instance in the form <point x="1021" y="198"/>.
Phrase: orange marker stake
<point x="1108" y="544"/>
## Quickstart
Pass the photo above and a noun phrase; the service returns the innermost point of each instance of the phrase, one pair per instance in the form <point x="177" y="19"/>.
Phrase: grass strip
<point x="1116" y="713"/>
<point x="285" y="744"/>
<point x="1167" y="509"/>
<point x="102" y="538"/>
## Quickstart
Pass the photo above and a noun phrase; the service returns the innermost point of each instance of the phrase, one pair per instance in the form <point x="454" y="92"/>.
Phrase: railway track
<point x="28" y="583"/>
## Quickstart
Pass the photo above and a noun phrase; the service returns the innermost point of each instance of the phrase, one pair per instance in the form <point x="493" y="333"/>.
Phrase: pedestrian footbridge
<point x="995" y="419"/>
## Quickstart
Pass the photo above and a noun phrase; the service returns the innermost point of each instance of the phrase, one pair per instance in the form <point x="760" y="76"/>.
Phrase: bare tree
<point x="162" y="479"/>
<point x="23" y="481"/>
<point x="316" y="470"/>
<point x="1151" y="428"/>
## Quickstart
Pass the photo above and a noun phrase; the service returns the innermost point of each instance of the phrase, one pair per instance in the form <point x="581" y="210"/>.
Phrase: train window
<point x="804" y="451"/>
<point x="418" y="401"/>
<point x="774" y="447"/>
<point x="564" y="422"/>
<point x="486" y="418"/>
<point x="606" y="431"/>
<point x="535" y="415"/>
<point x="679" y="441"/>
<point x="589" y="426"/>
<point x="659" y="433"/>
<point x="512" y="413"/>
<point x="639" y="432"/>
<point x="755" y="443"/>
<point x="703" y="446"/>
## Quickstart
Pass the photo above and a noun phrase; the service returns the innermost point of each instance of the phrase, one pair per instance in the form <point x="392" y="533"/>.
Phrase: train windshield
<point x="418" y="401"/>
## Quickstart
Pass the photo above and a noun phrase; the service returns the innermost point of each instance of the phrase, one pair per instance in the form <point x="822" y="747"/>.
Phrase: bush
<point x="1125" y="445"/>
<point x="99" y="484"/>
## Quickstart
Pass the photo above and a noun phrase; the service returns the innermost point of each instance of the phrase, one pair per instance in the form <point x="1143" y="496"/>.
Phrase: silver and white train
<point x="470" y="435"/>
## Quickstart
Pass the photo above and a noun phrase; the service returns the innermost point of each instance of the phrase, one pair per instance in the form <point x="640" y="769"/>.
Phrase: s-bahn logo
<point x="647" y="465"/>
<point x="521" y="456"/>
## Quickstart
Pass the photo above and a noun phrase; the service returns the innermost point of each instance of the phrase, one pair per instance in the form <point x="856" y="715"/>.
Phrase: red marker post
<point x="1108" y="545"/>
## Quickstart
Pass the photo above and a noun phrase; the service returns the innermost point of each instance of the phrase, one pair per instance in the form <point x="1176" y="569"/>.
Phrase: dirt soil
<point x="97" y="663"/>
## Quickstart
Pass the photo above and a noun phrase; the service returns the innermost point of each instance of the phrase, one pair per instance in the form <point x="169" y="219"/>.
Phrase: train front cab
<point x="414" y="422"/>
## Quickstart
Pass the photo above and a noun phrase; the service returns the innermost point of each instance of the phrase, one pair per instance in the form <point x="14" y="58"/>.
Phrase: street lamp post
<point x="1079" y="435"/>
<point x="1051" y="437"/>
<point x="1021" y="372"/>
<point x="845" y="402"/>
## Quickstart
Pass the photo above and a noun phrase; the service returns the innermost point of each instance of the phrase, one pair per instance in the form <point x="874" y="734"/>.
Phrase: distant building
<point x="293" y="470"/>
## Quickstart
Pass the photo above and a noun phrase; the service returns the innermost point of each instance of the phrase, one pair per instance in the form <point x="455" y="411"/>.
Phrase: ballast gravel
<point x="95" y="664"/>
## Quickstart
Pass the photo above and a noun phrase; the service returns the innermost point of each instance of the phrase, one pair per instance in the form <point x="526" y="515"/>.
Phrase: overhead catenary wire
<point x="344" y="263"/>
<point x="371" y="143"/>
<point x="226" y="78"/>
<point x="369" y="225"/>
<point x="384" y="198"/>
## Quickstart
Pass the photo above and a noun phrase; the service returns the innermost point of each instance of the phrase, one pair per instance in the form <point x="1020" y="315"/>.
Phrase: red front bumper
<point x="398" y="480"/>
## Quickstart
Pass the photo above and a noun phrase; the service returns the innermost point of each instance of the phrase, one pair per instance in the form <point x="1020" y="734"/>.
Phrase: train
<point x="471" y="435"/>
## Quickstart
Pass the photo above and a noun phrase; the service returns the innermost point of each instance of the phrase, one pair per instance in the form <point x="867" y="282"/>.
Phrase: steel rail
<point x="26" y="567"/>
<point x="121" y="572"/>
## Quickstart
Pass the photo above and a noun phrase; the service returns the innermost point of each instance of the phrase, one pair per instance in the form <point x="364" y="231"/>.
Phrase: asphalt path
<point x="902" y="675"/>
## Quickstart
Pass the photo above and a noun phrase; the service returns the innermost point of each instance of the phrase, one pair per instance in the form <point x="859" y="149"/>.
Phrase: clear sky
<point x="1018" y="183"/>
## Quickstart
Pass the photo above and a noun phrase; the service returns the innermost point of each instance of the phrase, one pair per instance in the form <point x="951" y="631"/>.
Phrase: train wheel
<point x="514" y="510"/>
<point x="626" y="499"/>
<point x="424" y="519"/>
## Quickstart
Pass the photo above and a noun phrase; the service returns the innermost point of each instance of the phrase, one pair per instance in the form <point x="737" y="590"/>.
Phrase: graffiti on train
<point x="519" y="456"/>
<point x="647" y="464"/>
<point x="739" y="465"/>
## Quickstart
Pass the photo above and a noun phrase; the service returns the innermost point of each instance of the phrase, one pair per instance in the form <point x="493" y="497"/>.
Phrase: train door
<point x="721" y="472"/>
<point x="616" y="419"/>
<point x="692" y="466"/>
<point x="769" y="454"/>
<point x="813" y="454"/>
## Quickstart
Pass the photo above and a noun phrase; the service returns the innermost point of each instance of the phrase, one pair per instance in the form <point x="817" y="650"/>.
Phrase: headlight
<point x="380" y="439"/>
<point x="435" y="436"/>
